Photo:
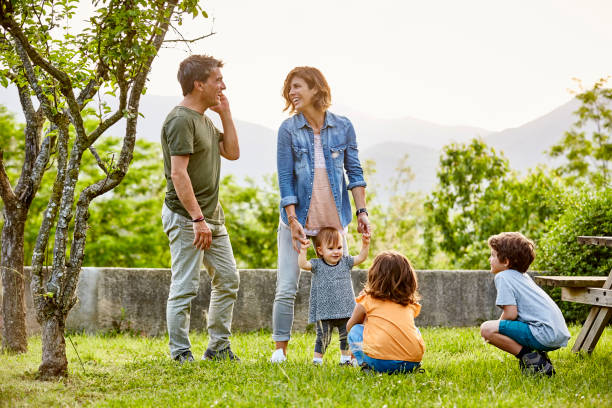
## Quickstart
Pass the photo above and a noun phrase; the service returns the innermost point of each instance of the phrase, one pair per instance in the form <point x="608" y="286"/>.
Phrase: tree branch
<point x="184" y="40"/>
<point x="98" y="159"/>
<point x="40" y="165"/>
<point x="115" y="117"/>
<point x="34" y="122"/>
<point x="45" y="103"/>
<point x="8" y="22"/>
<point x="6" y="191"/>
<point x="49" y="217"/>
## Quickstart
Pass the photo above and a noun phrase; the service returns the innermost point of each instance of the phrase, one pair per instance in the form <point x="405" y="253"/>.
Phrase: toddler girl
<point x="382" y="333"/>
<point x="332" y="299"/>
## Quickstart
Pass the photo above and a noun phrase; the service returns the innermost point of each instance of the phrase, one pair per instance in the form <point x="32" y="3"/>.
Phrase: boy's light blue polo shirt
<point x="534" y="306"/>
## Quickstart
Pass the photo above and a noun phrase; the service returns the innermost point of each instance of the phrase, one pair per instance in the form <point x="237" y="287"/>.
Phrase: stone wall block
<point x="135" y="299"/>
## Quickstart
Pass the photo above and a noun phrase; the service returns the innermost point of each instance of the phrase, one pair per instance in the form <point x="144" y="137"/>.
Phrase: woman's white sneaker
<point x="278" y="356"/>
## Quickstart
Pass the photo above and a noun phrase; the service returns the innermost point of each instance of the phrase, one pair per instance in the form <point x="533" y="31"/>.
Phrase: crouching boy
<point x="531" y="323"/>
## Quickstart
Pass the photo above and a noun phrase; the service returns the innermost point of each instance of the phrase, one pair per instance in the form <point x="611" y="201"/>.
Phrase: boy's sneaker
<point x="535" y="362"/>
<point x="218" y="355"/>
<point x="185" y="357"/>
<point x="278" y="356"/>
<point x="550" y="370"/>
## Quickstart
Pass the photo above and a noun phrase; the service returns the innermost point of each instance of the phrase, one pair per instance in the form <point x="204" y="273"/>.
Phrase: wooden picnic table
<point x="592" y="290"/>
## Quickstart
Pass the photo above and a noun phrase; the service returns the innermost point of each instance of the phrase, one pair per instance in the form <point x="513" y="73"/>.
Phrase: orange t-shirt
<point x="389" y="331"/>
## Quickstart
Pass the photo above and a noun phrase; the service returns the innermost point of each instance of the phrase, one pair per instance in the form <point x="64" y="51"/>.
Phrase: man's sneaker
<point x="278" y="356"/>
<point x="185" y="357"/>
<point x="535" y="362"/>
<point x="225" y="354"/>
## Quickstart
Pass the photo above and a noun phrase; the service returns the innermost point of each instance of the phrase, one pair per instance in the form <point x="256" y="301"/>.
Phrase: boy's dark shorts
<point x="520" y="332"/>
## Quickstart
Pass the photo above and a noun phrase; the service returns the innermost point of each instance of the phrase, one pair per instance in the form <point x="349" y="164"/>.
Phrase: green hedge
<point x="585" y="213"/>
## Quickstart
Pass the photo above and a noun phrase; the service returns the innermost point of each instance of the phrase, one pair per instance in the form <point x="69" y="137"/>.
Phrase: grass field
<point x="462" y="371"/>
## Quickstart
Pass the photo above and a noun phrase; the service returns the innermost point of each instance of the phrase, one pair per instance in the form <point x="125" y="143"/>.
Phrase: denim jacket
<point x="295" y="164"/>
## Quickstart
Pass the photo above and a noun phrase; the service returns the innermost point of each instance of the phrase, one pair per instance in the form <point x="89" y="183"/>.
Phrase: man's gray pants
<point x="187" y="261"/>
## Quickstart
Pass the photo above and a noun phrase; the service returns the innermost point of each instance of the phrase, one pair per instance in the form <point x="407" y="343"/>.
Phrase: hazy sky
<point x="487" y="63"/>
<point x="493" y="64"/>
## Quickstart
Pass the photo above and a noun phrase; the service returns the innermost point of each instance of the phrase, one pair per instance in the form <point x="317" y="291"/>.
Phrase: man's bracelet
<point x="291" y="218"/>
<point x="198" y="219"/>
<point x="362" y="210"/>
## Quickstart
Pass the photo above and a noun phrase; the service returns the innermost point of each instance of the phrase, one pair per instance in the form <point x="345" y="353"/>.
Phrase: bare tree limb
<point x="6" y="191"/>
<point x="49" y="217"/>
<point x="115" y="117"/>
<point x="44" y="101"/>
<point x="34" y="122"/>
<point x="46" y="149"/>
<point x="98" y="159"/>
<point x="192" y="40"/>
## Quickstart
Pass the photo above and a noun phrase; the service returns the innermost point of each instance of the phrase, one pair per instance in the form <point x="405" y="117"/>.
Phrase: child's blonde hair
<point x="392" y="277"/>
<point x="327" y="235"/>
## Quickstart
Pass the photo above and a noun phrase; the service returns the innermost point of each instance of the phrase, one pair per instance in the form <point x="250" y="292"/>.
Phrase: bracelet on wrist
<point x="291" y="218"/>
<point x="198" y="219"/>
<point x="362" y="210"/>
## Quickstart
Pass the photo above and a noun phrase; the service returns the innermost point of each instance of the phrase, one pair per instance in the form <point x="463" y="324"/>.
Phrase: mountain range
<point x="385" y="141"/>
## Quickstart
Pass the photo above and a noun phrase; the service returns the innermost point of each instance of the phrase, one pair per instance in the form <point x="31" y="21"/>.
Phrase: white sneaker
<point x="278" y="356"/>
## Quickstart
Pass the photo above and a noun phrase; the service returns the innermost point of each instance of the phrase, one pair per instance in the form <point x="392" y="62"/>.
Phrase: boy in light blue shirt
<point x="531" y="323"/>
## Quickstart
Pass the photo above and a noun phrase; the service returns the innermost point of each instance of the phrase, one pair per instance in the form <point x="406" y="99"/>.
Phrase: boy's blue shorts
<point x="519" y="332"/>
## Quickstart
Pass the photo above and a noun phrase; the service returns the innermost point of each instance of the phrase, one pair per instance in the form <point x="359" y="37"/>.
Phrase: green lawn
<point x="461" y="370"/>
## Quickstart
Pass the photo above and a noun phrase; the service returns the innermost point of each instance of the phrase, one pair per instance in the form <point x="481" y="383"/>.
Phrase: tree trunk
<point x="14" y="335"/>
<point x="54" y="363"/>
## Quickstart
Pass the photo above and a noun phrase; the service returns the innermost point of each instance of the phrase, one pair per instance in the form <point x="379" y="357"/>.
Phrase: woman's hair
<point x="196" y="68"/>
<point x="515" y="248"/>
<point x="314" y="79"/>
<point x="392" y="277"/>
<point x="326" y="236"/>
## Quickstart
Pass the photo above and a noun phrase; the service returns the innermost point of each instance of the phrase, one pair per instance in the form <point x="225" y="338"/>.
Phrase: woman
<point x="314" y="150"/>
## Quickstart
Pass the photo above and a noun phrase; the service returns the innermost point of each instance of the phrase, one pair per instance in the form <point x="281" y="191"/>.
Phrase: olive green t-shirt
<point x="187" y="132"/>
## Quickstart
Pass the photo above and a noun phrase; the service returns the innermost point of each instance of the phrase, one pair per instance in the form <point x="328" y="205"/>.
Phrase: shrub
<point x="585" y="213"/>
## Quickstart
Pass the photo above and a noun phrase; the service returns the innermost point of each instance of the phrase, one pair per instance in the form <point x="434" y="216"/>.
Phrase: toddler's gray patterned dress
<point x="331" y="290"/>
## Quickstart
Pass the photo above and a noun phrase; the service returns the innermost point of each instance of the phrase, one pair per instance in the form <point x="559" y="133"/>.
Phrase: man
<point x="192" y="217"/>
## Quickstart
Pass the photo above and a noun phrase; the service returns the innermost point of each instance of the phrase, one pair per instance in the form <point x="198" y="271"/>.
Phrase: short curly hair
<point x="314" y="79"/>
<point x="515" y="248"/>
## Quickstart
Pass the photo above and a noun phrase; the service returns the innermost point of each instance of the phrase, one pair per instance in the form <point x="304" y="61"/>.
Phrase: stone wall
<point x="119" y="298"/>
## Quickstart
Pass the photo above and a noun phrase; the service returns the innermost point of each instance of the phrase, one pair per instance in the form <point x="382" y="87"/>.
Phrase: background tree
<point x="478" y="196"/>
<point x="42" y="55"/>
<point x="465" y="173"/>
<point x="588" y="156"/>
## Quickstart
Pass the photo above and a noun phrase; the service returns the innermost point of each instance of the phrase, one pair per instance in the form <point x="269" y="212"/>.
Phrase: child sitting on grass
<point x="531" y="323"/>
<point x="382" y="333"/>
<point x="331" y="291"/>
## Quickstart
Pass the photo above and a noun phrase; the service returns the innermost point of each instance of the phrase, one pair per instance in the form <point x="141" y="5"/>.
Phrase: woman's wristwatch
<point x="362" y="210"/>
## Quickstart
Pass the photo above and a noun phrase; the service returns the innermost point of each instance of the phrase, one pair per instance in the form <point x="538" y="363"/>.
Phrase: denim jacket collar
<point x="328" y="122"/>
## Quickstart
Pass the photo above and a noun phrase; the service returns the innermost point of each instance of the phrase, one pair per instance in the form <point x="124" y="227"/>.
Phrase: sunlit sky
<point x="486" y="63"/>
<point x="492" y="64"/>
